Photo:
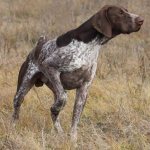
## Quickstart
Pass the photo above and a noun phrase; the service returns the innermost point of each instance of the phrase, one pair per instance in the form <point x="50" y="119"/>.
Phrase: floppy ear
<point x="101" y="22"/>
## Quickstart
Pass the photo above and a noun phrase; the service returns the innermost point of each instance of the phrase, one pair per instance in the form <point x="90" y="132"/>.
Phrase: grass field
<point x="117" y="113"/>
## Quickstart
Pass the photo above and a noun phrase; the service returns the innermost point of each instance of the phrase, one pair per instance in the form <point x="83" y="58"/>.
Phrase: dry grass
<point x="117" y="113"/>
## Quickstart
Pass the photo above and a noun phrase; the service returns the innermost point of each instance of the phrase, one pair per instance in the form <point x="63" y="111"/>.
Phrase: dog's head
<point x="117" y="19"/>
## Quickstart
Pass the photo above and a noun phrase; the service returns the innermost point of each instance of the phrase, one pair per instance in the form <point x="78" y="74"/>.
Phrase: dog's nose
<point x="139" y="20"/>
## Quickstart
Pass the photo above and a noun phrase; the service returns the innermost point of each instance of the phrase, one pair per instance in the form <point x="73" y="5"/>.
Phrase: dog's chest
<point x="74" y="56"/>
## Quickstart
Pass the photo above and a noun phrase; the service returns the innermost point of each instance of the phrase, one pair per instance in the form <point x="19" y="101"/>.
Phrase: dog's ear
<point x="101" y="22"/>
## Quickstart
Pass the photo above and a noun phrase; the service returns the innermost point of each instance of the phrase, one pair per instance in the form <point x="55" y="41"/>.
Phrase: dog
<point x="70" y="61"/>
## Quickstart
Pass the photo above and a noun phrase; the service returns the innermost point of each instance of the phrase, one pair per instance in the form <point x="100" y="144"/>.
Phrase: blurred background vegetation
<point x="117" y="113"/>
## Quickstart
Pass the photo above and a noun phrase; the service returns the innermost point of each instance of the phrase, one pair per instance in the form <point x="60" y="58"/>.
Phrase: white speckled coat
<point x="71" y="57"/>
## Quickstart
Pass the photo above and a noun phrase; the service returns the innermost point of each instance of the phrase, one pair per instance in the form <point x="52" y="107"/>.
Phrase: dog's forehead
<point x="117" y="8"/>
<point x="113" y="8"/>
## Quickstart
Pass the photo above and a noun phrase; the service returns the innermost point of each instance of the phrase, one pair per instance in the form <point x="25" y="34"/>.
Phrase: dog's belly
<point x="70" y="80"/>
<point x="73" y="80"/>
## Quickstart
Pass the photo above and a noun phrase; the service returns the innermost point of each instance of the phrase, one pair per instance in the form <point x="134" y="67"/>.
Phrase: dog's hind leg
<point x="25" y="83"/>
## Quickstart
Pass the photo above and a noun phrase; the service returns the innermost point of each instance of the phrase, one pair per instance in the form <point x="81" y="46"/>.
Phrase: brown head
<point x="113" y="19"/>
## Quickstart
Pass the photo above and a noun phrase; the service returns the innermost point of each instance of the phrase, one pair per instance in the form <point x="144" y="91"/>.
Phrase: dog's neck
<point x="84" y="33"/>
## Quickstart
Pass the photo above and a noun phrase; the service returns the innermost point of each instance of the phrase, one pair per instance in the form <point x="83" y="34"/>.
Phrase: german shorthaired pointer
<point x="70" y="61"/>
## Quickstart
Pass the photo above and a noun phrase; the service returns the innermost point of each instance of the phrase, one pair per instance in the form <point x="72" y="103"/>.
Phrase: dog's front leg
<point x="60" y="95"/>
<point x="81" y="96"/>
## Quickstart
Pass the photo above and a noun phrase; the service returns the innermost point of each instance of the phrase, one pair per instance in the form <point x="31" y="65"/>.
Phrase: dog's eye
<point x="121" y="12"/>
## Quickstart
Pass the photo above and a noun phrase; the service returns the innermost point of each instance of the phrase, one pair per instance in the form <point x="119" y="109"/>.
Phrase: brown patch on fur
<point x="85" y="33"/>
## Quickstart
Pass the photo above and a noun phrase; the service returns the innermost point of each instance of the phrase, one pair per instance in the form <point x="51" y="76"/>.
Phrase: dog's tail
<point x="41" y="41"/>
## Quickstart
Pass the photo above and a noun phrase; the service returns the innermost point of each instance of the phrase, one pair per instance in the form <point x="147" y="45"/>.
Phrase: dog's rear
<point x="29" y="75"/>
<point x="33" y="56"/>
